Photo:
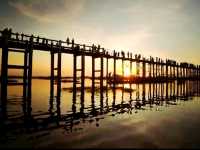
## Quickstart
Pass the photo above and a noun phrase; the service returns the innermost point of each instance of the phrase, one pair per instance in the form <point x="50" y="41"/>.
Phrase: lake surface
<point x="150" y="116"/>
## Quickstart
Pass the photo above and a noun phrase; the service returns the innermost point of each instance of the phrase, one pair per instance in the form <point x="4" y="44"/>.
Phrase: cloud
<point x="136" y="40"/>
<point x="48" y="10"/>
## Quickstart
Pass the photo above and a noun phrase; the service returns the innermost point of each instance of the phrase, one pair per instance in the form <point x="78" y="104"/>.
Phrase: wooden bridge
<point x="147" y="69"/>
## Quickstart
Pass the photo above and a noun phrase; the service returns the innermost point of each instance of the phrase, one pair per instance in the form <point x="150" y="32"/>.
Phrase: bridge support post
<point x="82" y="76"/>
<point x="4" y="71"/>
<point x="93" y="73"/>
<point x="107" y="73"/>
<point x="30" y="65"/>
<point x="25" y="71"/>
<point x="153" y="68"/>
<point x="74" y="75"/>
<point x="114" y="70"/>
<point x="30" y="62"/>
<point x="101" y="77"/>
<point x="59" y="72"/>
<point x="52" y="73"/>
<point x="166" y="70"/>
<point x="156" y="64"/>
<point x="130" y="78"/>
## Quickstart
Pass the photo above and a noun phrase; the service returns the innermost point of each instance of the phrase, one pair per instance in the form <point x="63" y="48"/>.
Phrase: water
<point x="119" y="119"/>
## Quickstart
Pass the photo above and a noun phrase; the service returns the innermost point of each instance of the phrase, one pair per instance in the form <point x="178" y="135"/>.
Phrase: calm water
<point x="143" y="118"/>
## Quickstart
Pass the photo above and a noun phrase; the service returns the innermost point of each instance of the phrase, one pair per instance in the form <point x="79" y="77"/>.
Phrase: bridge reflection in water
<point x="142" y="97"/>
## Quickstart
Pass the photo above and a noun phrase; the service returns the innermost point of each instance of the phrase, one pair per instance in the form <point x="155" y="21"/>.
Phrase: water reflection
<point x="140" y="97"/>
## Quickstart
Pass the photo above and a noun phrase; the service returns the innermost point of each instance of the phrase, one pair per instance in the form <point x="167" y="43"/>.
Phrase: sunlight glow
<point x="126" y="72"/>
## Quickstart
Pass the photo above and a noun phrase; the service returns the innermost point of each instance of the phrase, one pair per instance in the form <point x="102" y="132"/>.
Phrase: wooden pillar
<point x="59" y="77"/>
<point x="114" y="75"/>
<point x="59" y="71"/>
<point x="93" y="81"/>
<point x="4" y="72"/>
<point x="93" y="72"/>
<point x="161" y="69"/>
<point x="114" y="69"/>
<point x="130" y="78"/>
<point x="82" y="81"/>
<point x="82" y="75"/>
<point x="51" y="81"/>
<point x="25" y="73"/>
<point x="156" y="74"/>
<point x="74" y="75"/>
<point x="52" y="72"/>
<point x="106" y="72"/>
<point x="30" y="59"/>
<point x="30" y="64"/>
<point x="153" y="69"/>
<point x="101" y="76"/>
<point x="25" y="77"/>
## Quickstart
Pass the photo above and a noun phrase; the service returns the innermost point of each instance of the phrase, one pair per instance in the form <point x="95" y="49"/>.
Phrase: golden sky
<point x="167" y="29"/>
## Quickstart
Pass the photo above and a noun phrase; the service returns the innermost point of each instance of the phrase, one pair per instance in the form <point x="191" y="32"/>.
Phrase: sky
<point x="163" y="28"/>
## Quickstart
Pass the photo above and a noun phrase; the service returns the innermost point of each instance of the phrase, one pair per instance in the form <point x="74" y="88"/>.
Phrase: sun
<point x="126" y="72"/>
